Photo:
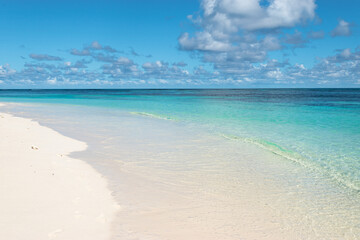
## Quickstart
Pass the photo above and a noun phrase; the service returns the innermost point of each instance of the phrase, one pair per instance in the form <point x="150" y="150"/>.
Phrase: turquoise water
<point x="316" y="128"/>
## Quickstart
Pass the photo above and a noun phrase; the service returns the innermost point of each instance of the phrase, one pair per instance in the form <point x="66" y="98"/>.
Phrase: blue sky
<point x="181" y="44"/>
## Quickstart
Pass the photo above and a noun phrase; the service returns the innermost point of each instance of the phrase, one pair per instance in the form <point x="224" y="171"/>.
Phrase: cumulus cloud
<point x="44" y="57"/>
<point x="95" y="45"/>
<point x="231" y="15"/>
<point x="61" y="73"/>
<point x="342" y="29"/>
<point x="84" y="52"/>
<point x="345" y="55"/>
<point x="93" y="49"/>
<point x="51" y="80"/>
<point x="83" y="63"/>
<point x="275" y="74"/>
<point x="296" y="39"/>
<point x="121" y="68"/>
<point x="163" y="70"/>
<point x="203" y="41"/>
<point x="6" y="72"/>
<point x="341" y="68"/>
<point x="104" y="53"/>
<point x="101" y="57"/>
<point x="79" y="64"/>
<point x="101" y="53"/>
<point x="180" y="64"/>
<point x="222" y="20"/>
<point x="316" y="34"/>
<point x="116" y="71"/>
<point x="6" y="69"/>
<point x="235" y="35"/>
<point x="247" y="65"/>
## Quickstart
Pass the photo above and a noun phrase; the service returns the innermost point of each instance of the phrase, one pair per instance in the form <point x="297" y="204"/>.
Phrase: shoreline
<point x="44" y="193"/>
<point x="176" y="183"/>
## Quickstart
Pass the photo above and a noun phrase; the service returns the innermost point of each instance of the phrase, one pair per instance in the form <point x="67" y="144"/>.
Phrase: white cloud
<point x="346" y="53"/>
<point x="26" y="81"/>
<point x="276" y="74"/>
<point x="342" y="29"/>
<point x="44" y="57"/>
<point x="51" y="80"/>
<point x="296" y="39"/>
<point x="96" y="45"/>
<point x="84" y="52"/>
<point x="271" y="43"/>
<point x="163" y="81"/>
<point x="246" y="63"/>
<point x="236" y="35"/>
<point x="124" y="60"/>
<point x="6" y="70"/>
<point x="316" y="35"/>
<point x="223" y="21"/>
<point x="252" y="15"/>
<point x="203" y="41"/>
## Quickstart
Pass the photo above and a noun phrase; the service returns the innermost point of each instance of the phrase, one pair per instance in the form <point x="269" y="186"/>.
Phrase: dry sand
<point x="44" y="194"/>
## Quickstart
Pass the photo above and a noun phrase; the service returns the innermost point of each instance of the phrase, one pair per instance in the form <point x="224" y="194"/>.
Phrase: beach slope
<point x="44" y="193"/>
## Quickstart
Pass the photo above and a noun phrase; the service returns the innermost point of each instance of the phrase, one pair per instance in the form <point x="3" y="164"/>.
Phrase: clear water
<point x="216" y="164"/>
<point x="317" y="128"/>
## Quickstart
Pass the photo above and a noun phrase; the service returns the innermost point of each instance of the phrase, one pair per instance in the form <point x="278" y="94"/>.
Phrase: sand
<point x="44" y="193"/>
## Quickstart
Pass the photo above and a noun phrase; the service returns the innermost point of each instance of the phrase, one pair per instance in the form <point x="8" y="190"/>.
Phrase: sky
<point x="179" y="43"/>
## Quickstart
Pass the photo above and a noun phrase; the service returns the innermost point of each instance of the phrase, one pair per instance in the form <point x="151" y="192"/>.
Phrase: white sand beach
<point x="45" y="194"/>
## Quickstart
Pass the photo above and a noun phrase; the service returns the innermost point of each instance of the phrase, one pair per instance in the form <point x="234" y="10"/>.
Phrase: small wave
<point x="272" y="147"/>
<point x="296" y="157"/>
<point x="145" y="114"/>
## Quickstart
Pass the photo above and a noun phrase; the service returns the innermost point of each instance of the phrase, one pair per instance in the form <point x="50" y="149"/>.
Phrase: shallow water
<point x="318" y="128"/>
<point x="200" y="166"/>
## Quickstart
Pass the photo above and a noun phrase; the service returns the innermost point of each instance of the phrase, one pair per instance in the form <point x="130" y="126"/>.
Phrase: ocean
<point x="302" y="144"/>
